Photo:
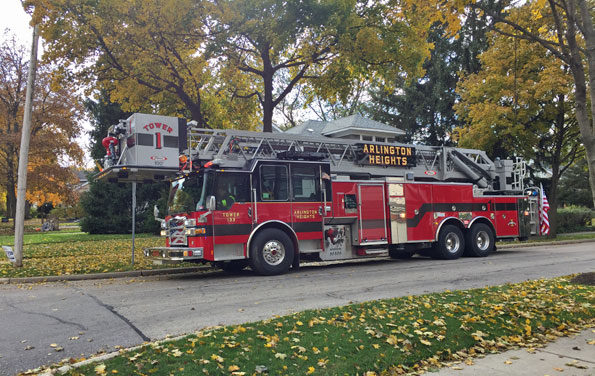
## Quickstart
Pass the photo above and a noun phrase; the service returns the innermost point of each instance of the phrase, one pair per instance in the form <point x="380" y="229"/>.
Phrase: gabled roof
<point x="309" y="128"/>
<point x="359" y="123"/>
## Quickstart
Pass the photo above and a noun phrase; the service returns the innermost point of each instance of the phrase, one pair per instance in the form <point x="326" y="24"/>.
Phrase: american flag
<point x="544" y="207"/>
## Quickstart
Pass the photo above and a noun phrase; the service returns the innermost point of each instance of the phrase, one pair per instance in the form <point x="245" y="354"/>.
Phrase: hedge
<point x="574" y="218"/>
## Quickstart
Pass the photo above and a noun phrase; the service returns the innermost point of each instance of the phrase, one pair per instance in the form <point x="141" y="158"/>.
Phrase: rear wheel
<point x="451" y="243"/>
<point x="480" y="240"/>
<point x="271" y="252"/>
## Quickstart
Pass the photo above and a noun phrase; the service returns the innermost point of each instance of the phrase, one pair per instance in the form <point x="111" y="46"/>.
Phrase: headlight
<point x="195" y="231"/>
<point x="163" y="232"/>
<point x="190" y="222"/>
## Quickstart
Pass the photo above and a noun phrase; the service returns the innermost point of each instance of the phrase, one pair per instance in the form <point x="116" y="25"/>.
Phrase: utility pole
<point x="19" y="221"/>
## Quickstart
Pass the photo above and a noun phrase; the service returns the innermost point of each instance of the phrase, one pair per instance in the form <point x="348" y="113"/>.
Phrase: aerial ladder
<point x="144" y="147"/>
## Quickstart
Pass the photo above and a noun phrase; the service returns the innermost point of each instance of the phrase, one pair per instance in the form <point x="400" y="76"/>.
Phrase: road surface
<point x="85" y="317"/>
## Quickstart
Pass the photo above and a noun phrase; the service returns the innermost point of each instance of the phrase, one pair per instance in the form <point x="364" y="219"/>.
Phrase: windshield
<point x="187" y="194"/>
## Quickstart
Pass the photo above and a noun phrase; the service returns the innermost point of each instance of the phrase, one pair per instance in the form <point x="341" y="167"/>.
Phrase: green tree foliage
<point x="222" y="63"/>
<point x="424" y="108"/>
<point x="521" y="103"/>
<point x="150" y="55"/>
<point x="574" y="186"/>
<point x="565" y="30"/>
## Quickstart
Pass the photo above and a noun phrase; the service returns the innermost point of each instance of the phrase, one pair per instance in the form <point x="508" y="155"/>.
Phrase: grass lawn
<point x="392" y="336"/>
<point x="65" y="252"/>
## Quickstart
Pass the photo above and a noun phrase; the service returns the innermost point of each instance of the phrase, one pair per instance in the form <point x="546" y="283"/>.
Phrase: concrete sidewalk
<point x="567" y="356"/>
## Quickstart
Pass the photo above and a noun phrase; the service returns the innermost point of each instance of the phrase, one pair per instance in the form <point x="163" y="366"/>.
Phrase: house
<point x="354" y="127"/>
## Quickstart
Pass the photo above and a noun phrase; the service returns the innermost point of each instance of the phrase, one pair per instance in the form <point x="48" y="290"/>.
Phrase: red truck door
<point x="308" y="206"/>
<point x="372" y="213"/>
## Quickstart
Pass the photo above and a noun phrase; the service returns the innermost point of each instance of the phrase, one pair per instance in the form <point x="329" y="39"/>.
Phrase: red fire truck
<point x="267" y="200"/>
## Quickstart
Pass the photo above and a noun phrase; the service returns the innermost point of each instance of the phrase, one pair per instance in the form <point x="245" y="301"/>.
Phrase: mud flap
<point x="295" y="265"/>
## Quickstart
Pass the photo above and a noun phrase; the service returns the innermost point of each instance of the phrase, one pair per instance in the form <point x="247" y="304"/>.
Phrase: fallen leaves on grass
<point x="81" y="257"/>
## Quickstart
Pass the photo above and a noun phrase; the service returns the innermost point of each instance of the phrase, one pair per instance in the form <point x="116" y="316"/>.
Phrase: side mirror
<point x="211" y="203"/>
<point x="156" y="212"/>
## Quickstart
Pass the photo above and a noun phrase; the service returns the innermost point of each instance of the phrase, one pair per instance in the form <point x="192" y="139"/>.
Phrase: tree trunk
<point x="553" y="200"/>
<point x="11" y="198"/>
<point x="582" y="16"/>
<point x="267" y="105"/>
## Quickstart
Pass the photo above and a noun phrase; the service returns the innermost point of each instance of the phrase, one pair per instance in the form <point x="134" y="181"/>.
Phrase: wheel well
<point x="273" y="224"/>
<point x="449" y="221"/>
<point x="485" y="221"/>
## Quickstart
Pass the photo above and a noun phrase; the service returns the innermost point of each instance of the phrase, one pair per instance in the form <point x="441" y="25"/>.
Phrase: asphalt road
<point x="85" y="317"/>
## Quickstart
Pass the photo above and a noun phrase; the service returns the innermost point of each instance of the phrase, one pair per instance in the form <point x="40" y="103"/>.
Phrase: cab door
<point x="308" y="201"/>
<point x="271" y="191"/>
<point x="232" y="223"/>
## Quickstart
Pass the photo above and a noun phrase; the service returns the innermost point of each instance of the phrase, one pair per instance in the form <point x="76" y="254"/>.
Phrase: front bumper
<point x="174" y="254"/>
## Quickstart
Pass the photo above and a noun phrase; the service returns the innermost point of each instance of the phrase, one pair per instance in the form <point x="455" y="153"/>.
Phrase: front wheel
<point x="451" y="243"/>
<point x="480" y="240"/>
<point x="271" y="252"/>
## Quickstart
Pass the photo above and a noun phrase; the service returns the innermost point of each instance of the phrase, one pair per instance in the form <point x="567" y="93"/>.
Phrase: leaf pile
<point x="394" y="336"/>
<point x="106" y="254"/>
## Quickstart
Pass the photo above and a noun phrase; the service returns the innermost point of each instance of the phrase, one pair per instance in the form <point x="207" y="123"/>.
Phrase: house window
<point x="367" y="138"/>
<point x="380" y="139"/>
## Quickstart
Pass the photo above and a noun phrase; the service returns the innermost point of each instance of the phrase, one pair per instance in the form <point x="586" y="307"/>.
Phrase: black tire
<point x="400" y="253"/>
<point x="234" y="266"/>
<point x="271" y="252"/>
<point x="479" y="240"/>
<point x="451" y="243"/>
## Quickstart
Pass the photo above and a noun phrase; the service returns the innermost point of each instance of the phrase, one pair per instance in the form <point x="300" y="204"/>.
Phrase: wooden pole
<point x="19" y="226"/>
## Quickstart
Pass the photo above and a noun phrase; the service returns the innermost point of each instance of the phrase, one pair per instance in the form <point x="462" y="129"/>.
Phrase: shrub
<point x="574" y="218"/>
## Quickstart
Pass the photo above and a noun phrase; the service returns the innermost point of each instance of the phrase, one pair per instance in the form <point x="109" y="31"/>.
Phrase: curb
<point x="504" y="245"/>
<point x="101" y="358"/>
<point x="81" y="277"/>
<point x="168" y="271"/>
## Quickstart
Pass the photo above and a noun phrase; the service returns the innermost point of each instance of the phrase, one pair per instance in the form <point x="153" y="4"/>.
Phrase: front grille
<point x="177" y="232"/>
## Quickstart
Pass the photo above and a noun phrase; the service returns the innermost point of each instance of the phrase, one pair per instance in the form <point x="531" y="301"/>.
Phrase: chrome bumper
<point x="174" y="253"/>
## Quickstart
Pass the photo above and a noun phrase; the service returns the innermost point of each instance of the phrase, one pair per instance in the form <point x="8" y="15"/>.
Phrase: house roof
<point x="310" y="127"/>
<point x="354" y="124"/>
<point x="360" y="123"/>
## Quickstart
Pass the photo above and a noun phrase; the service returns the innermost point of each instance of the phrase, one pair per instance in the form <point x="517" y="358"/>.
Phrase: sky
<point x="14" y="18"/>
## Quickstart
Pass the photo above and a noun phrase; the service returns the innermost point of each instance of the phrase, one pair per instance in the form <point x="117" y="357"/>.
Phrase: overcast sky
<point x="14" y="18"/>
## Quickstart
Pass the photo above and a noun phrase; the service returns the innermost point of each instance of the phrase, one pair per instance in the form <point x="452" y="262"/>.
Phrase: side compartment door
<point x="507" y="217"/>
<point x="372" y="213"/>
<point x="420" y="216"/>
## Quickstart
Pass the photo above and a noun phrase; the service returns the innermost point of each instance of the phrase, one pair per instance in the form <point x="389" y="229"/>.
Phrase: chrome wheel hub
<point x="273" y="252"/>
<point x="452" y="243"/>
<point x="482" y="240"/>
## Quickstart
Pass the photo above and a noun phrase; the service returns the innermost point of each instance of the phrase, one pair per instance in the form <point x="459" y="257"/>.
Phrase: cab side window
<point x="274" y="183"/>
<point x="305" y="183"/>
